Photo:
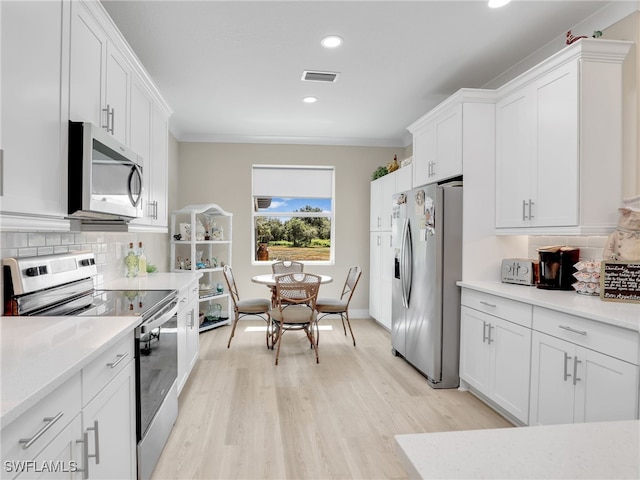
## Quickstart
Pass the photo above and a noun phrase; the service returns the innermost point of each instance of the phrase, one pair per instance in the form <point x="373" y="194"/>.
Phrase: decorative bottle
<point x="131" y="262"/>
<point x="142" y="261"/>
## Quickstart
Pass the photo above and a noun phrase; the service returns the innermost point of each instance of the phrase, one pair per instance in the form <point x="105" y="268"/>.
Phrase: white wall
<point x="221" y="173"/>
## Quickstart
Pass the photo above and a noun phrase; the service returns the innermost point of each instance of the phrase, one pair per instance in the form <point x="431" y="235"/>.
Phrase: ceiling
<point x="231" y="70"/>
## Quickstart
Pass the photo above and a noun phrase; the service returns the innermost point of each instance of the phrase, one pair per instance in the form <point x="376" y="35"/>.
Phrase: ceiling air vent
<point x="314" y="76"/>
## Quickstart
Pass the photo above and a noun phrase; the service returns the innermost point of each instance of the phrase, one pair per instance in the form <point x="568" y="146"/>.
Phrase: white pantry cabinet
<point x="554" y="126"/>
<point x="34" y="115"/>
<point x="582" y="371"/>
<point x="100" y="75"/>
<point x="380" y="277"/>
<point x="495" y="350"/>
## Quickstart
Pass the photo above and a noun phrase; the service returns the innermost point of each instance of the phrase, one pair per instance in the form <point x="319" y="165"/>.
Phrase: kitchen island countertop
<point x="580" y="450"/>
<point x="154" y="281"/>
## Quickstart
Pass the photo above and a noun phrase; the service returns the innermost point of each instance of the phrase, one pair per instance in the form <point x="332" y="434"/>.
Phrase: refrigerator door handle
<point x="407" y="275"/>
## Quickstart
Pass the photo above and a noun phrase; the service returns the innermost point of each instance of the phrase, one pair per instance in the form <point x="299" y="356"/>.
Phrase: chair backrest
<point x="287" y="266"/>
<point x="297" y="288"/>
<point x="231" y="284"/>
<point x="351" y="282"/>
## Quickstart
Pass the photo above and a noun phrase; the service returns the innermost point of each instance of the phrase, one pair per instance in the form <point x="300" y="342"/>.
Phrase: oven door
<point x="157" y="398"/>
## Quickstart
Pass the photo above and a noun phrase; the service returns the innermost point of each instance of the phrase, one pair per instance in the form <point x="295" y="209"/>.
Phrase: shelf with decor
<point x="201" y="241"/>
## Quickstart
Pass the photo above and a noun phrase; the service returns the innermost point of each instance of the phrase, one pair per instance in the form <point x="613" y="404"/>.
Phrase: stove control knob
<point x="32" y="272"/>
<point x="87" y="262"/>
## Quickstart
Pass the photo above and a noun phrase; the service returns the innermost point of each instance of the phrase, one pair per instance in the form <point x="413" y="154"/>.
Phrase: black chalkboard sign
<point x="620" y="282"/>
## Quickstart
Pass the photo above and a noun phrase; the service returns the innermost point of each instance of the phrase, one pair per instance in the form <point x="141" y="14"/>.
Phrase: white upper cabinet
<point x="79" y="68"/>
<point x="437" y="145"/>
<point x="100" y="76"/>
<point x="34" y="113"/>
<point x="556" y="125"/>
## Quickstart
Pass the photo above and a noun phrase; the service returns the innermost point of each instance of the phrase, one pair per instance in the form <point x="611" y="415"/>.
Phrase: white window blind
<point x="292" y="181"/>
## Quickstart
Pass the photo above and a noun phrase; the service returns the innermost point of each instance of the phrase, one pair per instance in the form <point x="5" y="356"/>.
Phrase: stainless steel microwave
<point x="105" y="177"/>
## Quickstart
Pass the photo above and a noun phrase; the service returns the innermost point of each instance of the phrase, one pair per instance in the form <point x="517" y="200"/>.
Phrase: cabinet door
<point x="556" y="148"/>
<point x="60" y="459"/>
<point x="140" y="143"/>
<point x="110" y="424"/>
<point x="182" y="326"/>
<point x="511" y="352"/>
<point x="87" y="73"/>
<point x="375" y="205"/>
<point x="34" y="177"/>
<point x="606" y="389"/>
<point x="375" y="275"/>
<point x="424" y="154"/>
<point x="475" y="352"/>
<point x="386" y="280"/>
<point x="514" y="156"/>
<point x="552" y="390"/>
<point x="388" y="190"/>
<point x="448" y="159"/>
<point x="117" y="94"/>
<point x="159" y="181"/>
<point x="193" y="332"/>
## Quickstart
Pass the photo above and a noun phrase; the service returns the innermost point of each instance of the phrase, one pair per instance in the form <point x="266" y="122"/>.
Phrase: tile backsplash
<point x="590" y="247"/>
<point x="108" y="248"/>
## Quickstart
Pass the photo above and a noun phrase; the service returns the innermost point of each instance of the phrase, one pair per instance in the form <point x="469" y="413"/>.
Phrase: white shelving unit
<point x="192" y="252"/>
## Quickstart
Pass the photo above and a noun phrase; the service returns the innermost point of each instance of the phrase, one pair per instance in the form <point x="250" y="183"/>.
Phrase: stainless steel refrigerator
<point x="427" y="242"/>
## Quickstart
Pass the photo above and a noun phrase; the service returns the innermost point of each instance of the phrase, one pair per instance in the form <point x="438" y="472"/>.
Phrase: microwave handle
<point x="136" y="171"/>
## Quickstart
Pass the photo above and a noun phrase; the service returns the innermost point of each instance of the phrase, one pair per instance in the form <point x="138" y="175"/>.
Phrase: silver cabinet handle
<point x="566" y="369"/>
<point x="572" y="330"/>
<point x="489" y="339"/>
<point x="106" y="116"/>
<point x="120" y="357"/>
<point x="488" y="304"/>
<point x="113" y="118"/>
<point x="575" y="370"/>
<point x="378" y="241"/>
<point x="531" y="202"/>
<point x="524" y="206"/>
<point x="96" y="437"/>
<point x="27" y="442"/>
<point x="85" y="455"/>
<point x="484" y="331"/>
<point x="154" y="204"/>
<point x="193" y="320"/>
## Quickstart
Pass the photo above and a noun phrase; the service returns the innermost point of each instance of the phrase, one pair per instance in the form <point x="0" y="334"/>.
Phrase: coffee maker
<point x="557" y="267"/>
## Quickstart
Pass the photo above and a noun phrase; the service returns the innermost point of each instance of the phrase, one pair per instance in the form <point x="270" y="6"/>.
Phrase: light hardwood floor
<point x="243" y="417"/>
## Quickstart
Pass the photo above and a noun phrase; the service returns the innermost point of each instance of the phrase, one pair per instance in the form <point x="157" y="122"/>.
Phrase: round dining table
<point x="269" y="279"/>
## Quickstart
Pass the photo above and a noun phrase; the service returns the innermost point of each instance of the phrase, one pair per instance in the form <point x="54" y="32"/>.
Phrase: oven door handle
<point x="160" y="318"/>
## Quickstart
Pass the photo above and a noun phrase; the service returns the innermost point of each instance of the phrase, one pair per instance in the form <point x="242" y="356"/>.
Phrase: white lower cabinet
<point x="109" y="433"/>
<point x="494" y="360"/>
<point x="188" y="332"/>
<point x="571" y="384"/>
<point x="60" y="459"/>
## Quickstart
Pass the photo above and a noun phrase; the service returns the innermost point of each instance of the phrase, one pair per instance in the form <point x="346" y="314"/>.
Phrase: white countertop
<point x="581" y="450"/>
<point x="625" y="315"/>
<point x="40" y="353"/>
<point x="155" y="281"/>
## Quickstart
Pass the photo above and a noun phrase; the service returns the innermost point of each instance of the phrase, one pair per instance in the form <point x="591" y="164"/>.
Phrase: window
<point x="293" y="209"/>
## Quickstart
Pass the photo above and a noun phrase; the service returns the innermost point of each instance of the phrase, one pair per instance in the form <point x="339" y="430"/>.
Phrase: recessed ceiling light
<point x="498" y="3"/>
<point x="309" y="99"/>
<point x="332" y="41"/>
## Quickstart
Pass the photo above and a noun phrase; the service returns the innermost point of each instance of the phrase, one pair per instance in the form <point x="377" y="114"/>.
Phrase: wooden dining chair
<point x="287" y="266"/>
<point x="340" y="306"/>
<point x="295" y="308"/>
<point x="258" y="307"/>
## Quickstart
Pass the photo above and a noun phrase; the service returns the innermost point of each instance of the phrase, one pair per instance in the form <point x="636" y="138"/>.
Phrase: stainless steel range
<point x="62" y="285"/>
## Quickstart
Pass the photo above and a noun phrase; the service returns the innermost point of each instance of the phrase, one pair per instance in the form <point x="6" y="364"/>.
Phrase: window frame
<point x="330" y="215"/>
